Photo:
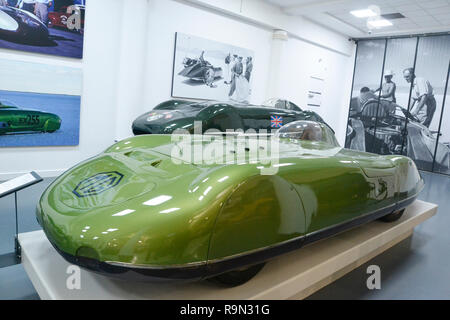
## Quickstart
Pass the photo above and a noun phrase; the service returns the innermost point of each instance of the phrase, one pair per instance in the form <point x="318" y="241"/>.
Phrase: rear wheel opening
<point x="394" y="216"/>
<point x="237" y="277"/>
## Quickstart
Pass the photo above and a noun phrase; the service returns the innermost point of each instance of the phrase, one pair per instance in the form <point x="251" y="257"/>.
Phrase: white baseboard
<point x="42" y="173"/>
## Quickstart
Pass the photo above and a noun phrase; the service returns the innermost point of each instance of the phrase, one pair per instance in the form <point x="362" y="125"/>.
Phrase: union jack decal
<point x="276" y="121"/>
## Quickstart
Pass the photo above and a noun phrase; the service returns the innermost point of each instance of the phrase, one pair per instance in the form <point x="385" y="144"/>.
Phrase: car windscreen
<point x="307" y="131"/>
<point x="274" y="103"/>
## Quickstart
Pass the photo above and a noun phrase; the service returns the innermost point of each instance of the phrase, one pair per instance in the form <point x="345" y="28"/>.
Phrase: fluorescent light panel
<point x="363" y="13"/>
<point x="380" y="23"/>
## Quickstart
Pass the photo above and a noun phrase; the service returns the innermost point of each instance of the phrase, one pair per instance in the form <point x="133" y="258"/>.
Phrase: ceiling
<point x="421" y="16"/>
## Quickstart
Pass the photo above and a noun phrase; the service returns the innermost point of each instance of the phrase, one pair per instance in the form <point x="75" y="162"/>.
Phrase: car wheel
<point x="394" y="216"/>
<point x="237" y="277"/>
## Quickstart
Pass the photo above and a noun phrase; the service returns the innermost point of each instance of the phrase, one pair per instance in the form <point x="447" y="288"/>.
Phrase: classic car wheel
<point x="394" y="216"/>
<point x="237" y="277"/>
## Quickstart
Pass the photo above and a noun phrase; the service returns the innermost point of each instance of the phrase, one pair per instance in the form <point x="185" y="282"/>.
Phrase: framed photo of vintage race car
<point x="211" y="70"/>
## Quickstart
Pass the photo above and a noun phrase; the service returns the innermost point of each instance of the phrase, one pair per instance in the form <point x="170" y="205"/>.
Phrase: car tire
<point x="237" y="277"/>
<point x="394" y="216"/>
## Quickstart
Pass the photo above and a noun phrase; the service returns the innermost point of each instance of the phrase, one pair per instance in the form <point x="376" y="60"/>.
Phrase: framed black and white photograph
<point x="211" y="70"/>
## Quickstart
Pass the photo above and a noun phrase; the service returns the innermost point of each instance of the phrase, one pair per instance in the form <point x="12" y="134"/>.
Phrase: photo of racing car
<point x="200" y="70"/>
<point x="211" y="70"/>
<point x="399" y="100"/>
<point x="21" y="25"/>
<point x="53" y="27"/>
<point x="15" y="120"/>
<point x="40" y="104"/>
<point x="171" y="115"/>
<point x="384" y="127"/>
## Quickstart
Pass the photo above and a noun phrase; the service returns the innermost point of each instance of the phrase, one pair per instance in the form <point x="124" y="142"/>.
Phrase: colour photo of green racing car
<point x="15" y="120"/>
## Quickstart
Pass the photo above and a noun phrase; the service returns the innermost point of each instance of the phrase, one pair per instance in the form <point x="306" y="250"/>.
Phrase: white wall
<point x="301" y="60"/>
<point x="127" y="67"/>
<point x="273" y="17"/>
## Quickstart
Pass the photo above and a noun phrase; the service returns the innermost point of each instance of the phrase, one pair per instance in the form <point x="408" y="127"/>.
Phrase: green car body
<point x="171" y="115"/>
<point x="134" y="213"/>
<point x="16" y="120"/>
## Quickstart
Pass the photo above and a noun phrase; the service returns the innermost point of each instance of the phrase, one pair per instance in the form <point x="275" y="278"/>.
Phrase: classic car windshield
<point x="274" y="103"/>
<point x="281" y="104"/>
<point x="307" y="131"/>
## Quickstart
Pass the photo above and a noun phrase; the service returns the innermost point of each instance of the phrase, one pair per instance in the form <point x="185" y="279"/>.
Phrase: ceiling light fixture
<point x="364" y="13"/>
<point x="379" y="23"/>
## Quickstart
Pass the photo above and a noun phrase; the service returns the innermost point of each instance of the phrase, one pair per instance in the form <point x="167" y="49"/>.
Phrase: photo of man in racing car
<point x="381" y="126"/>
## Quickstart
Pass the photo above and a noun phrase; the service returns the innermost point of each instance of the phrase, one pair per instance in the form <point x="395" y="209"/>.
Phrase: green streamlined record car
<point x="139" y="210"/>
<point x="171" y="115"/>
<point x="16" y="120"/>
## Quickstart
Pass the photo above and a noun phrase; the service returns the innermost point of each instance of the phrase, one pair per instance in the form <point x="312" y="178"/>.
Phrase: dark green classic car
<point x="170" y="115"/>
<point x="16" y="120"/>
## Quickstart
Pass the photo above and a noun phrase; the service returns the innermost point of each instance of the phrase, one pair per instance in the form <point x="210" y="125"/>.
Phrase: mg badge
<point x="97" y="184"/>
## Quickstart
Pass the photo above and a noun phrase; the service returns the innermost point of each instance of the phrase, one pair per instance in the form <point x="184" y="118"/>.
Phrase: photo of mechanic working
<point x="423" y="103"/>
<point x="54" y="27"/>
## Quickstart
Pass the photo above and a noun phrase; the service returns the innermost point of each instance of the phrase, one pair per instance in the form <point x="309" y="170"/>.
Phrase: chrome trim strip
<point x="245" y="253"/>
<point x="155" y="267"/>
<point x="351" y="220"/>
